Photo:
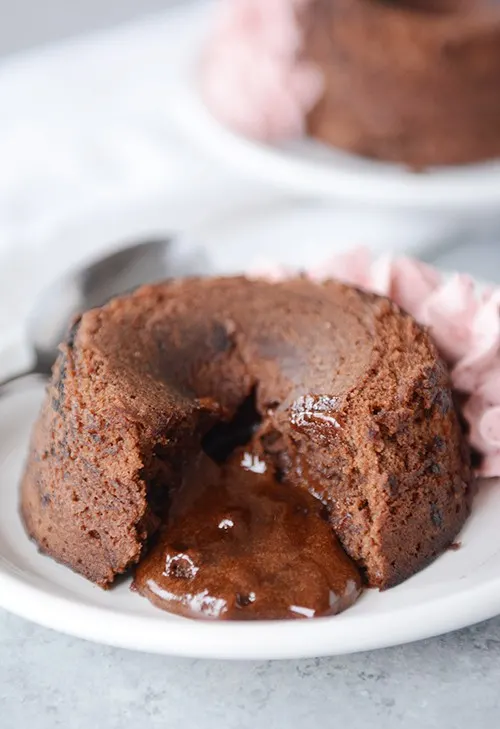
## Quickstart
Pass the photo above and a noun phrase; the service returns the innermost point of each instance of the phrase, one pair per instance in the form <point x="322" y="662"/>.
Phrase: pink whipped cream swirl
<point x="254" y="76"/>
<point x="463" y="320"/>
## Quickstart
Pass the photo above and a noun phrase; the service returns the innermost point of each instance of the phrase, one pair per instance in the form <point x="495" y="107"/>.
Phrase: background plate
<point x="309" y="167"/>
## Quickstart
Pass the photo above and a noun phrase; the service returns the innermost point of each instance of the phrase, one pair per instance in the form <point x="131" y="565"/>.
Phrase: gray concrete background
<point x="48" y="680"/>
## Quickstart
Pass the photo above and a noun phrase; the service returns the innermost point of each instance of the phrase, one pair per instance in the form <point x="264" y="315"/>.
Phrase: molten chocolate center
<point x="240" y="545"/>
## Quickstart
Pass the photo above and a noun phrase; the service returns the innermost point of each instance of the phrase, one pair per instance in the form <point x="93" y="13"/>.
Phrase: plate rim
<point x="217" y="639"/>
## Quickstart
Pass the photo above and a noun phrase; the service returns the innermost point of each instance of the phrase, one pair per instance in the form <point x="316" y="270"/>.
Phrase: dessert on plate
<point x="409" y="81"/>
<point x="257" y="448"/>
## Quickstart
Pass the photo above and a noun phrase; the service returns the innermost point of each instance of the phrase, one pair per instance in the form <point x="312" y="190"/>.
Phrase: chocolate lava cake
<point x="343" y="397"/>
<point x="411" y="81"/>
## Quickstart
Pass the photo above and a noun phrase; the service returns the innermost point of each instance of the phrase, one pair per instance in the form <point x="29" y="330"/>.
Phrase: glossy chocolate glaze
<point x="240" y="545"/>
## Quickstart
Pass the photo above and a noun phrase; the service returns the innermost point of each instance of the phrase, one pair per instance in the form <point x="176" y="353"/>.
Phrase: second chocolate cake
<point x="411" y="81"/>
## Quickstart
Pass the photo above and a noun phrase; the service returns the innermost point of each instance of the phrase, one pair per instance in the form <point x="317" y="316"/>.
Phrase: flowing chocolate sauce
<point x="238" y="544"/>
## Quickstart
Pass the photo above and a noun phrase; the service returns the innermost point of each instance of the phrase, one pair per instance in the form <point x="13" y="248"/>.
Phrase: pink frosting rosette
<point x="254" y="77"/>
<point x="462" y="318"/>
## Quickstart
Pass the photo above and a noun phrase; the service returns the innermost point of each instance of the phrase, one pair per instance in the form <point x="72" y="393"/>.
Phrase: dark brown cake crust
<point x="412" y="81"/>
<point x="356" y="404"/>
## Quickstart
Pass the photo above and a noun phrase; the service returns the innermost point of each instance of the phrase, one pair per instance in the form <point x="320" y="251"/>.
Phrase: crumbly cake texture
<point x="462" y="317"/>
<point x="355" y="400"/>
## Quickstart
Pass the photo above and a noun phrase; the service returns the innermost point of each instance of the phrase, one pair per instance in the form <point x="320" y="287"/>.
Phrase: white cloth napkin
<point x="87" y="122"/>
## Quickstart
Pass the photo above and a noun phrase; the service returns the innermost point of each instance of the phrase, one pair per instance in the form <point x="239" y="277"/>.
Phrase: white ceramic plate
<point x="460" y="588"/>
<point x="308" y="167"/>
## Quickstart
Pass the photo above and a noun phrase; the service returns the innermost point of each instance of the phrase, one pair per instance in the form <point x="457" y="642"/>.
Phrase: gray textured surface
<point x="48" y="680"/>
